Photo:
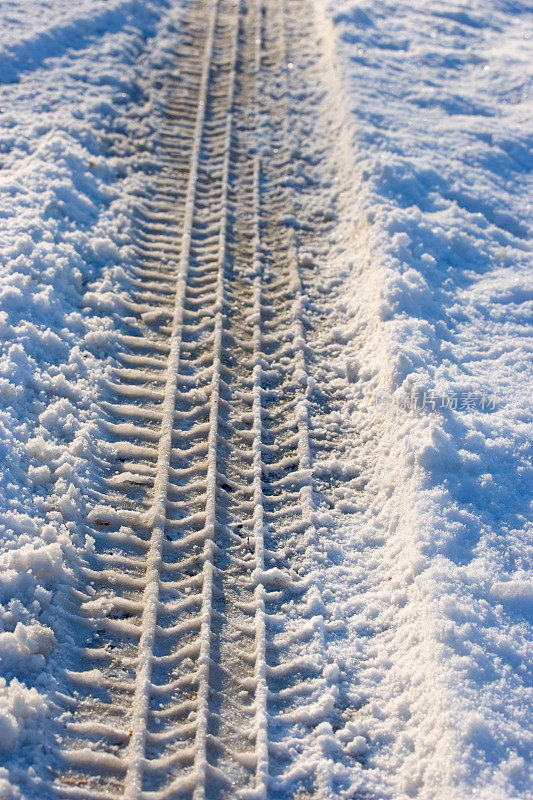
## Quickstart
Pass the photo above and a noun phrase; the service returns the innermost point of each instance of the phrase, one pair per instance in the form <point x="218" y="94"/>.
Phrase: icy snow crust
<point x="423" y="286"/>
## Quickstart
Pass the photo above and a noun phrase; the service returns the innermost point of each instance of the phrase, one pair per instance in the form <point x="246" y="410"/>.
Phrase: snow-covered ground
<point x="434" y="313"/>
<point x="426" y="288"/>
<point x="75" y="148"/>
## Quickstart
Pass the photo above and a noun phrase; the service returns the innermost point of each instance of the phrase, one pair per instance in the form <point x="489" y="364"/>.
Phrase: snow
<point x="434" y="316"/>
<point x="421" y="581"/>
<point x="21" y="708"/>
<point x="75" y="139"/>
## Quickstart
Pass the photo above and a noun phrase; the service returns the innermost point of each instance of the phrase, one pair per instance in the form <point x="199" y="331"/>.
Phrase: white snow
<point x="20" y="707"/>
<point x="421" y="582"/>
<point x="75" y="145"/>
<point x="431" y="283"/>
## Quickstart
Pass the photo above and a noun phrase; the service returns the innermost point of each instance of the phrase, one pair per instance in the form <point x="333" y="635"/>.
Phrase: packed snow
<point x="423" y="562"/>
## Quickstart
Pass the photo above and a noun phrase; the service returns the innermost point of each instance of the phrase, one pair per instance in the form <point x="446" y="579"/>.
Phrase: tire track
<point x="300" y="696"/>
<point x="133" y="784"/>
<point x="199" y="667"/>
<point x="183" y="445"/>
<point x="181" y="475"/>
